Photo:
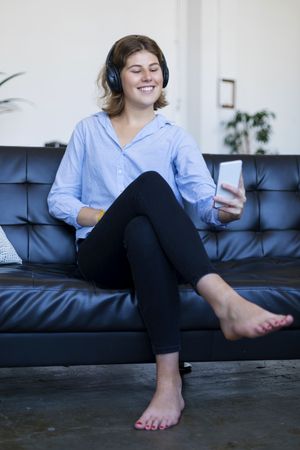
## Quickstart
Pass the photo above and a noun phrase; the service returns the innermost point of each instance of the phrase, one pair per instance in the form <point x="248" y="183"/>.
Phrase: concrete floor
<point x="241" y="406"/>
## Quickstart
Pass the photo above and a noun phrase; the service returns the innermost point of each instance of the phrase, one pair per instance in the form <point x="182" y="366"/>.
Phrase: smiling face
<point x="142" y="80"/>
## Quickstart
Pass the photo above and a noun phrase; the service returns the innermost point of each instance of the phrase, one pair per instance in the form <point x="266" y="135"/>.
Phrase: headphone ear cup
<point x="165" y="75"/>
<point x="112" y="73"/>
<point x="165" y="72"/>
<point x="113" y="78"/>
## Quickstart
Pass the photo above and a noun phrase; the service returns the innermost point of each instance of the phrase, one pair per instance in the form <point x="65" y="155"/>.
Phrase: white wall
<point x="257" y="43"/>
<point x="269" y="65"/>
<point x="61" y="46"/>
<point x="203" y="115"/>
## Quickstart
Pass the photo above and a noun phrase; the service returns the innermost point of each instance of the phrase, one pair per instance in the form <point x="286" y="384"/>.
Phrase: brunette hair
<point x="113" y="102"/>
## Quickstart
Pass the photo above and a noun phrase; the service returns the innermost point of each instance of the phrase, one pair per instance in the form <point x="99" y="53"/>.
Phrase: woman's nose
<point x="147" y="75"/>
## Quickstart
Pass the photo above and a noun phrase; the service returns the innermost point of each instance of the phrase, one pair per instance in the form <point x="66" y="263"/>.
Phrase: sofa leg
<point x="185" y="367"/>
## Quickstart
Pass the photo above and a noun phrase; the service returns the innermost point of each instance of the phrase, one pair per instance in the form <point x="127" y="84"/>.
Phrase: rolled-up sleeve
<point x="64" y="199"/>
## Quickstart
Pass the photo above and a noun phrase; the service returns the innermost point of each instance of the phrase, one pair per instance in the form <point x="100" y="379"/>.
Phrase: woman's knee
<point x="139" y="231"/>
<point x="151" y="179"/>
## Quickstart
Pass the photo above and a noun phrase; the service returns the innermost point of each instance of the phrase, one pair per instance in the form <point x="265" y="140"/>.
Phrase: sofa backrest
<point x="26" y="175"/>
<point x="270" y="225"/>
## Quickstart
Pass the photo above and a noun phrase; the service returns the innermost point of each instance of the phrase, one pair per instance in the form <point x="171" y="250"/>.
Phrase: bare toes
<point x="268" y="326"/>
<point x="155" y="424"/>
<point x="162" y="427"/>
<point x="259" y="330"/>
<point x="139" y="425"/>
<point x="280" y="322"/>
<point x="149" y="423"/>
<point x="287" y="320"/>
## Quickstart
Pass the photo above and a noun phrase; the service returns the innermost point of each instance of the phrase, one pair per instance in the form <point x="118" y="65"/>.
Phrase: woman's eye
<point x="154" y="69"/>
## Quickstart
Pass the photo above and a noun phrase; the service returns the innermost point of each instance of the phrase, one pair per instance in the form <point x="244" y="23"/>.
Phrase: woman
<point x="121" y="184"/>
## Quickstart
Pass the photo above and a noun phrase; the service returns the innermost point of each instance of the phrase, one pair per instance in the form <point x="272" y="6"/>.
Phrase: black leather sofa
<point x="49" y="316"/>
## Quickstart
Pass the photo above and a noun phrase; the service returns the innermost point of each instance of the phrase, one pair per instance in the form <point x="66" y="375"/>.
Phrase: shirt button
<point x="119" y="170"/>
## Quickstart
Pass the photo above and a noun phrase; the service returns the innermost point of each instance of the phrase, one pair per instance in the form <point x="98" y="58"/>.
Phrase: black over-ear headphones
<point x="113" y="75"/>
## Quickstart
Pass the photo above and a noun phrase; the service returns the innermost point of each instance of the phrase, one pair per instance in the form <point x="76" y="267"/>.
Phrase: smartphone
<point x="229" y="173"/>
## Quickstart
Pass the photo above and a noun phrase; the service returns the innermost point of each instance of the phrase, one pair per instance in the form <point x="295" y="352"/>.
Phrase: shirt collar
<point x="158" y="122"/>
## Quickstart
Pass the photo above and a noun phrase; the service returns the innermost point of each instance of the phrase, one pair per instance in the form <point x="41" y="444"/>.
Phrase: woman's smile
<point x="146" y="89"/>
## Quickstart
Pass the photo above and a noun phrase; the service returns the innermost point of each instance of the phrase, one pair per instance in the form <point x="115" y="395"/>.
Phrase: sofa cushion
<point x="46" y="298"/>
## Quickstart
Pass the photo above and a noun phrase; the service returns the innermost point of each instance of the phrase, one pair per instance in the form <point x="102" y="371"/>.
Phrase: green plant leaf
<point x="243" y="128"/>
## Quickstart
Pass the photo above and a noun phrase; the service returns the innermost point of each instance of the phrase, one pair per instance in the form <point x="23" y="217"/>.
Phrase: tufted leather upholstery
<point x="45" y="303"/>
<point x="26" y="176"/>
<point x="270" y="225"/>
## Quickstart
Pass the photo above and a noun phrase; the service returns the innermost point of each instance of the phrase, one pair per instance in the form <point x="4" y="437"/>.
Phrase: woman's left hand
<point x="232" y="209"/>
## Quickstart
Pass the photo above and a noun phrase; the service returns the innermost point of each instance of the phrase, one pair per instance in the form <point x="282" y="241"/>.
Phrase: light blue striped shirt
<point x="95" y="169"/>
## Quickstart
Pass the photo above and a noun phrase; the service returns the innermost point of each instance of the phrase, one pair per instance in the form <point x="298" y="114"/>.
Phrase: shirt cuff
<point x="216" y="221"/>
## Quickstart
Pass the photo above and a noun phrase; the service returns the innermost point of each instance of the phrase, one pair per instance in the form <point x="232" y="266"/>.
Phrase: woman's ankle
<point x="216" y="292"/>
<point x="167" y="368"/>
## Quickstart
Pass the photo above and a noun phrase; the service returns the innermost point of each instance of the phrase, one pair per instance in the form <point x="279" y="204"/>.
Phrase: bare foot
<point x="238" y="317"/>
<point x="164" y="409"/>
<point x="241" y="318"/>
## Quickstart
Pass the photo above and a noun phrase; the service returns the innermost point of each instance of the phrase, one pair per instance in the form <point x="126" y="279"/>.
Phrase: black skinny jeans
<point x="146" y="240"/>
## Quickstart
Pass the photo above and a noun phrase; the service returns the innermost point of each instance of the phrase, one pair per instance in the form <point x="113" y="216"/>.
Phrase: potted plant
<point x="9" y="104"/>
<point x="248" y="133"/>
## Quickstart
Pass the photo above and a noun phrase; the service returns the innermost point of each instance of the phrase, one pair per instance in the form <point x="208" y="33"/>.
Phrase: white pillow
<point x="8" y="254"/>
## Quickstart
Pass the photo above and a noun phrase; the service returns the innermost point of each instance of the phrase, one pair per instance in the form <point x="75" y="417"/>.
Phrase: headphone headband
<point x="113" y="77"/>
